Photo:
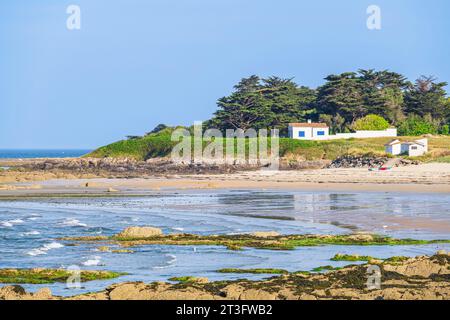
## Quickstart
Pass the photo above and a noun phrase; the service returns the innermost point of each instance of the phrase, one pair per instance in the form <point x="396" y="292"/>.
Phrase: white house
<point x="308" y="131"/>
<point x="320" y="131"/>
<point x="412" y="149"/>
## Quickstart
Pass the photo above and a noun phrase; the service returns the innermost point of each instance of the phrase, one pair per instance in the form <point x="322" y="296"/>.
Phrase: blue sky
<point x="137" y="63"/>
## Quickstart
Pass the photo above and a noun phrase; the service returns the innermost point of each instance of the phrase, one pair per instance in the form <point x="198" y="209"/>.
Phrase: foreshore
<point x="423" y="178"/>
<point x="420" y="278"/>
<point x="412" y="278"/>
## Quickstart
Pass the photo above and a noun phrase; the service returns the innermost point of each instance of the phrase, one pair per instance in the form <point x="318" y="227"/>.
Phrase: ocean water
<point x="30" y="231"/>
<point x="30" y="153"/>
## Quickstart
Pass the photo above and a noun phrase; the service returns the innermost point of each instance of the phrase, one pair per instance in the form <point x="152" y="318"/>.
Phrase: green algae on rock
<point x="45" y="276"/>
<point x="325" y="268"/>
<point x="352" y="257"/>
<point x="253" y="271"/>
<point x="236" y="242"/>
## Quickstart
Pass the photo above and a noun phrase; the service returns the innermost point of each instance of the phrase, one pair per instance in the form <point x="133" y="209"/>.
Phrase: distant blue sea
<point x="30" y="153"/>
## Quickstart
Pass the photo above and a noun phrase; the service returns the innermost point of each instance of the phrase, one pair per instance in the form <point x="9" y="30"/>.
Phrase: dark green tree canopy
<point x="263" y="103"/>
<point x="344" y="98"/>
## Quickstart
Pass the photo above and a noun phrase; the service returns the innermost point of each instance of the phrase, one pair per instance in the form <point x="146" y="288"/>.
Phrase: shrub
<point x="445" y="129"/>
<point x="371" y="122"/>
<point x="416" y="126"/>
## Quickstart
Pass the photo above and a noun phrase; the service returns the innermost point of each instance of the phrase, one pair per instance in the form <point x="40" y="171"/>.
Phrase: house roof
<point x="309" y="125"/>
<point x="413" y="143"/>
<point x="392" y="142"/>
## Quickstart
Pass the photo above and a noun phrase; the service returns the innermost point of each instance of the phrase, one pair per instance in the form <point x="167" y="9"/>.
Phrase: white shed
<point x="410" y="148"/>
<point x="393" y="147"/>
<point x="415" y="148"/>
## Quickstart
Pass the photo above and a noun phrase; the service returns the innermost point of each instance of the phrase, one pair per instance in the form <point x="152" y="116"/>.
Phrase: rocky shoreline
<point x="128" y="167"/>
<point x="420" y="278"/>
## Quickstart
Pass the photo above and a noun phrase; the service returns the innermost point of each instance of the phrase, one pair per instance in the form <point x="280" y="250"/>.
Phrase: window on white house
<point x="413" y="148"/>
<point x="301" y="134"/>
<point x="320" y="133"/>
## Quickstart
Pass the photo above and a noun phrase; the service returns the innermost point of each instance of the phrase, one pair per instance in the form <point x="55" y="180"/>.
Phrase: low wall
<point x="391" y="132"/>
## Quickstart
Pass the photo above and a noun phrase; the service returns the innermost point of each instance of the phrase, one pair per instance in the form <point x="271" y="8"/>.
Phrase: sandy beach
<point x="432" y="177"/>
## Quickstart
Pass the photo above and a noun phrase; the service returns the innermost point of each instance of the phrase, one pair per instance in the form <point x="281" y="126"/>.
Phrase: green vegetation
<point x="371" y="122"/>
<point x="160" y="145"/>
<point x="184" y="279"/>
<point x="282" y="242"/>
<point x="396" y="259"/>
<point x="349" y="257"/>
<point x="253" y="271"/>
<point x="416" y="126"/>
<point x="366" y="99"/>
<point x="325" y="268"/>
<point x="354" y="257"/>
<point x="43" y="276"/>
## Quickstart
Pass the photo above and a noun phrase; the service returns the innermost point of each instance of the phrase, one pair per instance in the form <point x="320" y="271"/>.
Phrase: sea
<point x="42" y="153"/>
<point x="31" y="231"/>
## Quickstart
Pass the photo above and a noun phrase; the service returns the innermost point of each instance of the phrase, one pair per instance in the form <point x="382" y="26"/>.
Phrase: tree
<point x="263" y="103"/>
<point x="243" y="109"/>
<point x="384" y="93"/>
<point x="157" y="129"/>
<point x="416" y="126"/>
<point x="427" y="96"/>
<point x="342" y="95"/>
<point x="287" y="101"/>
<point x="371" y="122"/>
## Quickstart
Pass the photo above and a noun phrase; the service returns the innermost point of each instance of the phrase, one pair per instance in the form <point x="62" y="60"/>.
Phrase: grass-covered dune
<point x="160" y="145"/>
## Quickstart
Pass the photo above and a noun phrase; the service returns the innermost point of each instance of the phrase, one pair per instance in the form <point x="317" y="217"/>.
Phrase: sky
<point x="136" y="63"/>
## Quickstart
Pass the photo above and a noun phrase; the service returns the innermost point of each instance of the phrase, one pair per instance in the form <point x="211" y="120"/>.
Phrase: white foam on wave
<point x="6" y="224"/>
<point x="173" y="258"/>
<point x="31" y="233"/>
<point x="178" y="229"/>
<point x="171" y="261"/>
<point x="71" y="222"/>
<point x="53" y="245"/>
<point x="36" y="252"/>
<point x="93" y="261"/>
<point x="11" y="223"/>
<point x="44" y="249"/>
<point x="16" y="221"/>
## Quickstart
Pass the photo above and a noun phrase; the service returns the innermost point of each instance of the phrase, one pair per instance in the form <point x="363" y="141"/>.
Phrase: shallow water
<point x="29" y="230"/>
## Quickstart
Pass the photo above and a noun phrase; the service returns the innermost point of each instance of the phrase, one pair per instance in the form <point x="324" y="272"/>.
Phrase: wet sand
<point x="425" y="178"/>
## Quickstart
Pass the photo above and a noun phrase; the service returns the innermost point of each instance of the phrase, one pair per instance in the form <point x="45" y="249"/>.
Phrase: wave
<point x="16" y="221"/>
<point x="71" y="222"/>
<point x="6" y="224"/>
<point x="11" y="223"/>
<point x="44" y="249"/>
<point x="31" y="233"/>
<point x="172" y="259"/>
<point x="93" y="261"/>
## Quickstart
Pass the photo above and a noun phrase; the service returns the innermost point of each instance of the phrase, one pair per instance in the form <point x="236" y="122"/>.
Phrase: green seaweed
<point x="236" y="242"/>
<point x="253" y="271"/>
<point x="351" y="257"/>
<point x="325" y="268"/>
<point x="45" y="276"/>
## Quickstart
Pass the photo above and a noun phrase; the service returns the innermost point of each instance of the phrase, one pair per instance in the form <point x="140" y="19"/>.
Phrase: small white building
<point x="320" y="131"/>
<point x="410" y="148"/>
<point x="308" y="131"/>
<point x="393" y="147"/>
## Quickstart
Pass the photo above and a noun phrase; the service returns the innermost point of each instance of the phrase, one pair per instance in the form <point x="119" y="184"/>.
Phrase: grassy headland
<point x="160" y="145"/>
